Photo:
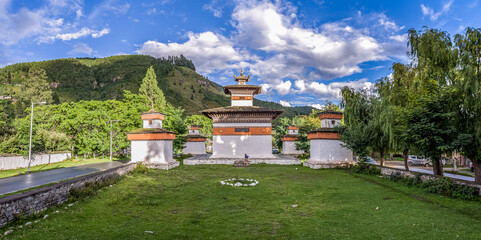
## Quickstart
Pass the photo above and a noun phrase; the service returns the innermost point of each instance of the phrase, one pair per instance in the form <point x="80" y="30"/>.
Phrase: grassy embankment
<point x="189" y="202"/>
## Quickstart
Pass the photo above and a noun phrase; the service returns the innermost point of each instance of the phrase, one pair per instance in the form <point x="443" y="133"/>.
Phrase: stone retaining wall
<point x="37" y="200"/>
<point x="233" y="160"/>
<point x="388" y="172"/>
<point x="14" y="162"/>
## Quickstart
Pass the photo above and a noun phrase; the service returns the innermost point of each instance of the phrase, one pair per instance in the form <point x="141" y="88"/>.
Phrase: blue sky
<point x="301" y="52"/>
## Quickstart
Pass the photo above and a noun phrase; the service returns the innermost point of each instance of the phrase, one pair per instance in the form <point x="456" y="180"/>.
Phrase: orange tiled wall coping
<point x="151" y="136"/>
<point x="330" y="116"/>
<point x="323" y="135"/>
<point x="195" y="140"/>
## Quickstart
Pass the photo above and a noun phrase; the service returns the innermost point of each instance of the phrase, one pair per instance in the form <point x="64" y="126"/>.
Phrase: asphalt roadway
<point x="21" y="182"/>
<point x="422" y="169"/>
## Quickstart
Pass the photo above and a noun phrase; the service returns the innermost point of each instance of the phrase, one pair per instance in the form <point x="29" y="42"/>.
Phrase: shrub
<point x="140" y="168"/>
<point x="90" y="189"/>
<point x="365" y="168"/>
<point x="443" y="186"/>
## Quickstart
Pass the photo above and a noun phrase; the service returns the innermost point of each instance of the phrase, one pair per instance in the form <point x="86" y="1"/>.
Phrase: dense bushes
<point x="443" y="186"/>
<point x="365" y="168"/>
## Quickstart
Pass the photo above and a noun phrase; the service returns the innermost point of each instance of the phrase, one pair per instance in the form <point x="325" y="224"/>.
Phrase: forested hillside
<point x="72" y="80"/>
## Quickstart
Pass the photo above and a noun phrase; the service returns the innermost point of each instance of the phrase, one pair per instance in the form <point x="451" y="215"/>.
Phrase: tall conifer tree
<point x="151" y="90"/>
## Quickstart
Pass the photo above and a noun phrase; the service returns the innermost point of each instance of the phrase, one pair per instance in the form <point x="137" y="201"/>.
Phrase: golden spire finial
<point x="242" y="72"/>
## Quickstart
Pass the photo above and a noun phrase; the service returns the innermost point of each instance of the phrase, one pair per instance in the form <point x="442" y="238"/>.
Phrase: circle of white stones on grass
<point x="240" y="182"/>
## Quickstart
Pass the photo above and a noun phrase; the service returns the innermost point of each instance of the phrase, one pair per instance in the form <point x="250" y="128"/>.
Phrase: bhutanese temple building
<point x="242" y="128"/>
<point x="327" y="150"/>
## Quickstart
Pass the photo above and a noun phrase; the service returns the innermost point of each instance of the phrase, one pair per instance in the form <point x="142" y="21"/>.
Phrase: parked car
<point x="444" y="160"/>
<point x="418" y="160"/>
<point x="369" y="160"/>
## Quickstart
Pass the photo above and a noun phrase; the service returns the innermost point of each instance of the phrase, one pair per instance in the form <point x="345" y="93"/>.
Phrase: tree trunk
<point x="477" y="171"/>
<point x="405" y="156"/>
<point x="381" y="152"/>
<point x="437" y="166"/>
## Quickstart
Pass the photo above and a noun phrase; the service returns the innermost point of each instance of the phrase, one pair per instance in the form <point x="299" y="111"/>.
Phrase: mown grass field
<point x="189" y="202"/>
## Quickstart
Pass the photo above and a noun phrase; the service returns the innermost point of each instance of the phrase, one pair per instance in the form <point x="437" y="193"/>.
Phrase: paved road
<point x="17" y="183"/>
<point x="400" y="165"/>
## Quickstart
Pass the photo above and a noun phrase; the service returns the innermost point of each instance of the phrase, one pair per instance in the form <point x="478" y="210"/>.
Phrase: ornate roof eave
<point x="257" y="89"/>
<point x="247" y="111"/>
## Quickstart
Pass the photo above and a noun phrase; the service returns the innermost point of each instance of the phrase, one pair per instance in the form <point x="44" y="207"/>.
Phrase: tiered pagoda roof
<point x="233" y="112"/>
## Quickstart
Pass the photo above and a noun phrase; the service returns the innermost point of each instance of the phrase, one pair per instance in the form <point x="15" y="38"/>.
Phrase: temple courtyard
<point x="289" y="202"/>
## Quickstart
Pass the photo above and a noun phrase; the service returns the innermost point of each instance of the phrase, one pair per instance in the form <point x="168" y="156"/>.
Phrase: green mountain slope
<point x="107" y="78"/>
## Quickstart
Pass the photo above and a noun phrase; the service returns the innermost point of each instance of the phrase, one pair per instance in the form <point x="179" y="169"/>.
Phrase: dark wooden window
<point x="242" y="129"/>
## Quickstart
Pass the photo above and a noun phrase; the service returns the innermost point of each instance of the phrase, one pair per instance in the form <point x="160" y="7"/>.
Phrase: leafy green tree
<point x="174" y="121"/>
<point x="469" y="89"/>
<point x="395" y="94"/>
<point x="306" y="124"/>
<point x="357" y="114"/>
<point x="431" y="121"/>
<point x="280" y="129"/>
<point x="150" y="89"/>
<point x="35" y="88"/>
<point x="203" y="122"/>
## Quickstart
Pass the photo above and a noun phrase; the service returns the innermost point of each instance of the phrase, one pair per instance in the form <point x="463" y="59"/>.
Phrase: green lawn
<point x="189" y="202"/>
<point x="63" y="164"/>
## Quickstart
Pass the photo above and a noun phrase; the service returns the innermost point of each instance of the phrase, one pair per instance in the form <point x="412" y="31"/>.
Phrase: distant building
<point x="289" y="141"/>
<point x="153" y="145"/>
<point x="326" y="147"/>
<point x="195" y="143"/>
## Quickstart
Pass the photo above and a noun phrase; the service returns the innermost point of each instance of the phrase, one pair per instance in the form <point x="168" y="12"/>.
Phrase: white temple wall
<point x="289" y="147"/>
<point x="328" y="123"/>
<point x="242" y="124"/>
<point x="194" y="148"/>
<point x="325" y="150"/>
<point x="235" y="146"/>
<point x="156" y="123"/>
<point x="242" y="103"/>
<point x="292" y="131"/>
<point x="152" y="151"/>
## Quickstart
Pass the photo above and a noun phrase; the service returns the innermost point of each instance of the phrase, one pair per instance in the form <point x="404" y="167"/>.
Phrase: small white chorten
<point x="153" y="145"/>
<point x="326" y="147"/>
<point x="195" y="143"/>
<point x="289" y="141"/>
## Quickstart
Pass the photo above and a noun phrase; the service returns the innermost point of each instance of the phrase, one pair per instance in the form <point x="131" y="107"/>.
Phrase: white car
<point x="369" y="160"/>
<point x="418" y="160"/>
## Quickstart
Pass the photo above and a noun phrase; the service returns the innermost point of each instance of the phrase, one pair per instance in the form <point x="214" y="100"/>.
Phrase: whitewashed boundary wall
<point x="14" y="162"/>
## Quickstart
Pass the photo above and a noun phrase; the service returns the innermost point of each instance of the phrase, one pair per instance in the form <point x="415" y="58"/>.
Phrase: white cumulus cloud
<point x="333" y="50"/>
<point x="284" y="103"/>
<point x="80" y="48"/>
<point x="209" y="51"/>
<point x="428" y="11"/>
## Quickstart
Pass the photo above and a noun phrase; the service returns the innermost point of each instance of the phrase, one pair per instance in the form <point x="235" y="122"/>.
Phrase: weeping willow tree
<point x="363" y="123"/>
<point x="469" y="86"/>
<point x="395" y="94"/>
<point x="432" y="113"/>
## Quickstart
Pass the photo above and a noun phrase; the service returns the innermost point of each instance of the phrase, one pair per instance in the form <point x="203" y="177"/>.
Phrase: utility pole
<point x="111" y="137"/>
<point x="30" y="142"/>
